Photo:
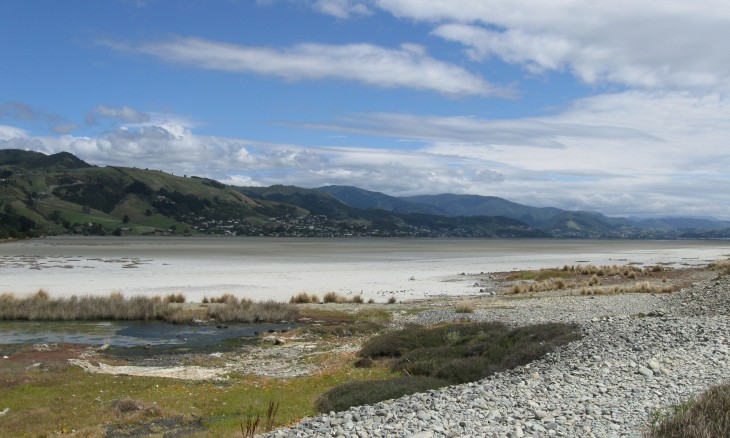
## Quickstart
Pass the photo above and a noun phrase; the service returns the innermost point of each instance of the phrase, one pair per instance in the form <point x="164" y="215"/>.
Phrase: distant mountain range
<point x="554" y="221"/>
<point x="61" y="194"/>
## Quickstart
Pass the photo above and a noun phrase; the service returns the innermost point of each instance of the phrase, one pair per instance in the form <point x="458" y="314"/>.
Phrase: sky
<point x="618" y="106"/>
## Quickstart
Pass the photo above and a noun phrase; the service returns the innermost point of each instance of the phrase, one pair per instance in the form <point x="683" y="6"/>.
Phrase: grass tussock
<point x="644" y="287"/>
<point x="722" y="267"/>
<point x="249" y="312"/>
<point x="41" y="307"/>
<point x="464" y="307"/>
<point x="175" y="298"/>
<point x="447" y="354"/>
<point x="544" y="280"/>
<point x="226" y="298"/>
<point x="132" y="409"/>
<point x="392" y="300"/>
<point x="706" y="417"/>
<point x="334" y="297"/>
<point x="304" y="298"/>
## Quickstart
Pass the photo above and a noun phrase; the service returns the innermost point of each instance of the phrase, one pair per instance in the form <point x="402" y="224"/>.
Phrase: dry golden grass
<point x="721" y="266"/>
<point x="706" y="417"/>
<point x="334" y="297"/>
<point x="464" y="307"/>
<point x="556" y="279"/>
<point x="304" y="298"/>
<point x="41" y="307"/>
<point x="644" y="287"/>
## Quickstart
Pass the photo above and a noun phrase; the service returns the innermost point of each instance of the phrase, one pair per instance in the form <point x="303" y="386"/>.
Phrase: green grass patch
<point x="47" y="403"/>
<point x="359" y="328"/>
<point x="376" y="315"/>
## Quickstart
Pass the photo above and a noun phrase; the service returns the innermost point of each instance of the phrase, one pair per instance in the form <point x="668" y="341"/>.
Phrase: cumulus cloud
<point x="624" y="153"/>
<point x="648" y="44"/>
<point x="628" y="153"/>
<point x="408" y="66"/>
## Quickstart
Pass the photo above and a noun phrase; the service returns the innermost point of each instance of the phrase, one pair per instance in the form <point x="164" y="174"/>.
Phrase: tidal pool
<point x="128" y="333"/>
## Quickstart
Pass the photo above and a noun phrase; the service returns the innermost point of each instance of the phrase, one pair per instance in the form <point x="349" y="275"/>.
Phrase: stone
<point x="645" y="372"/>
<point x="422" y="434"/>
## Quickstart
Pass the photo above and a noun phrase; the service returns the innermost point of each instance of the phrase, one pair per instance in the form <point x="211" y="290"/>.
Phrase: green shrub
<point x="369" y="392"/>
<point x="462" y="353"/>
<point x="433" y="357"/>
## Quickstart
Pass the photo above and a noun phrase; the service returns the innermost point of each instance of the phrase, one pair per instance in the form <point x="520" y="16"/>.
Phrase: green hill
<point x="59" y="194"/>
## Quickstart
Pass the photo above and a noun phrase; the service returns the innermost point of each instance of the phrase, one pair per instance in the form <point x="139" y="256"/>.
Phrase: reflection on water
<point x="126" y="333"/>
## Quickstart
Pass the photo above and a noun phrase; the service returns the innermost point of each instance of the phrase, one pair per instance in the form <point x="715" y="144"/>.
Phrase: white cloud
<point x="10" y="132"/>
<point x="341" y="8"/>
<point x="537" y="132"/>
<point x="625" y="153"/>
<point x="649" y="44"/>
<point x="124" y="114"/>
<point x="629" y="153"/>
<point x="409" y="66"/>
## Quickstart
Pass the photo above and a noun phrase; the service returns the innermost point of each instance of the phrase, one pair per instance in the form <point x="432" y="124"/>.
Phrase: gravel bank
<point x="605" y="385"/>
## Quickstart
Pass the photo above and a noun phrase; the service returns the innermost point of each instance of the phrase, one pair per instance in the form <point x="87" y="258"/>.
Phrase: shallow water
<point x="127" y="333"/>
<point x="277" y="268"/>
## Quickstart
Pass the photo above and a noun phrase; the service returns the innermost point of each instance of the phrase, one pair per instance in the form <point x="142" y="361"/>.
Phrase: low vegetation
<point x="643" y="287"/>
<point x="368" y="392"/>
<point x="560" y="278"/>
<point x="304" y="298"/>
<point x="706" y="417"/>
<point x="464" y="307"/>
<point x="431" y="357"/>
<point x="721" y="266"/>
<point x="334" y="297"/>
<point x="41" y="307"/>
<point x="249" y="312"/>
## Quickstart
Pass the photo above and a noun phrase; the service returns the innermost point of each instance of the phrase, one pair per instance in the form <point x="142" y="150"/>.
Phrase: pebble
<point x="607" y="384"/>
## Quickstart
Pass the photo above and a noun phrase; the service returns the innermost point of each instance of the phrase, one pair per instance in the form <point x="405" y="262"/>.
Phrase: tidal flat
<point x="277" y="268"/>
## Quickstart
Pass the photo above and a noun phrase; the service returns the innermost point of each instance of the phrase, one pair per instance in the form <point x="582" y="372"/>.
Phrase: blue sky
<point x="619" y="107"/>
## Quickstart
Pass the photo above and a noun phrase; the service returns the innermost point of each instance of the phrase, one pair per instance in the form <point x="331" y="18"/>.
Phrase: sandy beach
<point x="272" y="268"/>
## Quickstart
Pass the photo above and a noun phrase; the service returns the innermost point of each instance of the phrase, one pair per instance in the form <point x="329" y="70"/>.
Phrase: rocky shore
<point x="639" y="355"/>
